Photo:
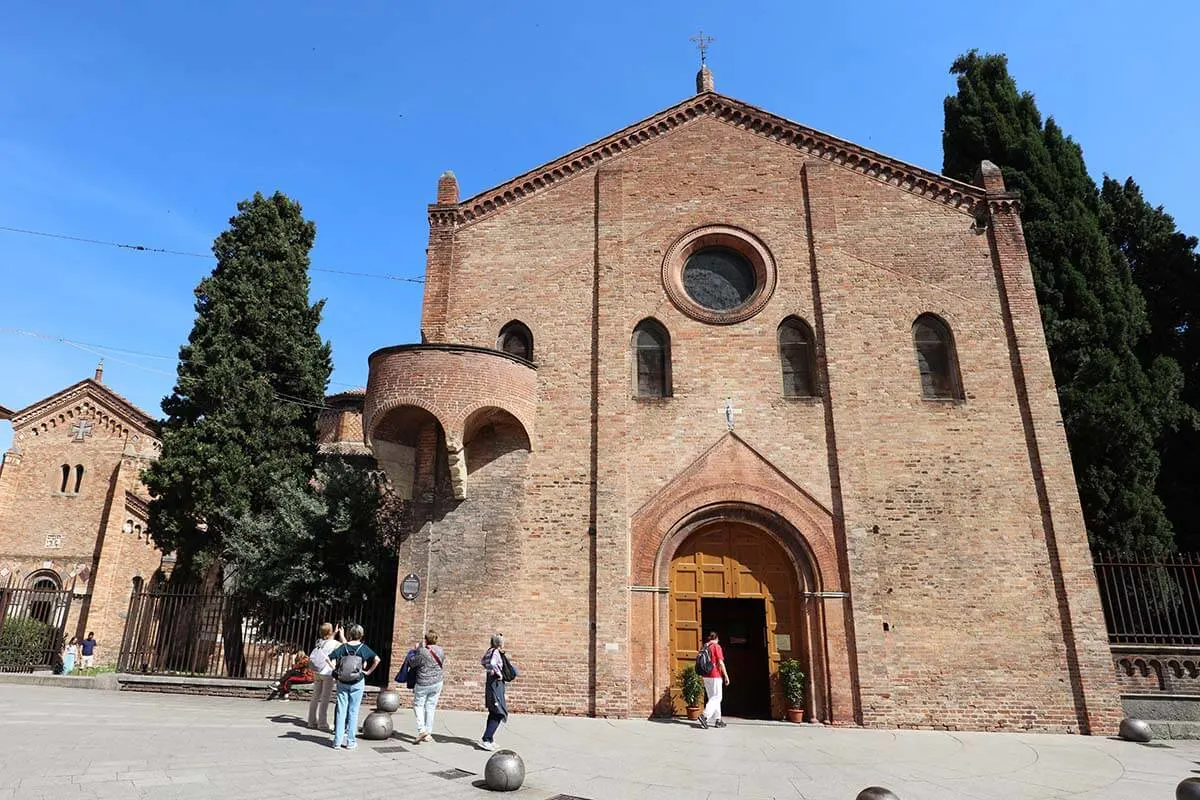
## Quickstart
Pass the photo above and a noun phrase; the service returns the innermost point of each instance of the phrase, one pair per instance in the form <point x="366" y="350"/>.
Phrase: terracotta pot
<point x="693" y="712"/>
<point x="795" y="715"/>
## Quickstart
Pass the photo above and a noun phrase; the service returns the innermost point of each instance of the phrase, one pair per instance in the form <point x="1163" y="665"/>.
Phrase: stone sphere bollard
<point x="876" y="793"/>
<point x="1188" y="789"/>
<point x="388" y="701"/>
<point x="1135" y="730"/>
<point x="377" y="725"/>
<point x="504" y="772"/>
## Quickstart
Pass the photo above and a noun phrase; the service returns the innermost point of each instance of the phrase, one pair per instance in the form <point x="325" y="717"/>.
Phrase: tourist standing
<point x="88" y="646"/>
<point x="714" y="683"/>
<point x="428" y="688"/>
<point x="318" y="706"/>
<point x="494" y="663"/>
<point x="68" y="655"/>
<point x="353" y="662"/>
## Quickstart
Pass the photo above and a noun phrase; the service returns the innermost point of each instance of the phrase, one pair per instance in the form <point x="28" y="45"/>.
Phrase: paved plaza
<point x="66" y="743"/>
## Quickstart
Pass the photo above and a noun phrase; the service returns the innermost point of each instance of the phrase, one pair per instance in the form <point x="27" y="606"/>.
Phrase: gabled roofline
<point x="5" y="413"/>
<point x="892" y="171"/>
<point x="134" y="414"/>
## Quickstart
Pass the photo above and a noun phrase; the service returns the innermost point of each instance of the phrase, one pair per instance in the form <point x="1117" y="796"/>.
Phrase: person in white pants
<point x="714" y="683"/>
<point x="318" y="706"/>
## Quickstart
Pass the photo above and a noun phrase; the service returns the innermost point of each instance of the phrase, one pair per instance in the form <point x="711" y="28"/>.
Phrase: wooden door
<point x="737" y="561"/>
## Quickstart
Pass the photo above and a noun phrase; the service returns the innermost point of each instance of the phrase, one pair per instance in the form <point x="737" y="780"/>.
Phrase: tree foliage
<point x="1166" y="267"/>
<point x="333" y="538"/>
<point x="1115" y="409"/>
<point x="242" y="417"/>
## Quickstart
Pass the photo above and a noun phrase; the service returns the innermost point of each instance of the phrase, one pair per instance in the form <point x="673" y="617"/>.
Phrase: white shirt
<point x="319" y="657"/>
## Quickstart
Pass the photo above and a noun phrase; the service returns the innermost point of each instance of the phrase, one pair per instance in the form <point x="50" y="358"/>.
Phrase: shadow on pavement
<point x="289" y="719"/>
<point x="323" y="740"/>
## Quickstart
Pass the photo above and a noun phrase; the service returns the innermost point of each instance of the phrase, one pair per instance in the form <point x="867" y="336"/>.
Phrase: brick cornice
<point x="137" y="505"/>
<point x="130" y="413"/>
<point x="710" y="105"/>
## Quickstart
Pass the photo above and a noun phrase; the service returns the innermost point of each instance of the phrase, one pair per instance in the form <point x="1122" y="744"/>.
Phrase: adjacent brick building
<point x="73" y="508"/>
<point x="722" y="371"/>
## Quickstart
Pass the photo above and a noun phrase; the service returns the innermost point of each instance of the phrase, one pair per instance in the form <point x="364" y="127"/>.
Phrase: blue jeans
<point x="345" y="720"/>
<point x="425" y="700"/>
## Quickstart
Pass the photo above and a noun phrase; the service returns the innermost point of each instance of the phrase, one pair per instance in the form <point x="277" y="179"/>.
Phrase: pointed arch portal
<point x="732" y="545"/>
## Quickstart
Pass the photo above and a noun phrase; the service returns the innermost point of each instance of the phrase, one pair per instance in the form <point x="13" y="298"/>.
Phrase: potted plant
<point x="791" y="678"/>
<point x="691" y="685"/>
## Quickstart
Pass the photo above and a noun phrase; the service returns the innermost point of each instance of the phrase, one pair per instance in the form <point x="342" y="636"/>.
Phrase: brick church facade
<point x="73" y="512"/>
<point x="719" y="370"/>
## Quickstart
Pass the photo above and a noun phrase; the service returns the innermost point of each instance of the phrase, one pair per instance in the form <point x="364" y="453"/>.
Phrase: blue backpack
<point x="409" y="670"/>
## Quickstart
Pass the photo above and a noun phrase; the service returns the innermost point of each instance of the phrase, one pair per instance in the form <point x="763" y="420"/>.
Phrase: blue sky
<point x="145" y="123"/>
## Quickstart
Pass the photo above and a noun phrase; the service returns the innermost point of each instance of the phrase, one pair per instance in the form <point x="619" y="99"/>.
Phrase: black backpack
<point x="507" y="671"/>
<point x="704" y="662"/>
<point x="350" y="667"/>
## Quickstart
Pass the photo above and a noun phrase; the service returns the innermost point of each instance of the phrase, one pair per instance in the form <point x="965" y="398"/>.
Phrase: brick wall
<point x="81" y="537"/>
<point x="955" y="525"/>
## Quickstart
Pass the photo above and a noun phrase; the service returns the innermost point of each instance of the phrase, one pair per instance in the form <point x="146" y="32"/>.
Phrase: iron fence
<point x="1151" y="601"/>
<point x="33" y="622"/>
<point x="175" y="631"/>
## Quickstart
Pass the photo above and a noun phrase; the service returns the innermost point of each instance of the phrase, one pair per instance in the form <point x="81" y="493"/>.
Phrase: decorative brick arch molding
<point x="731" y="481"/>
<point x="457" y="385"/>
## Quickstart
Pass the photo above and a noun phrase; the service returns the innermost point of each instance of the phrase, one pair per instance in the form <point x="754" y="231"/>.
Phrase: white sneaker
<point x="487" y="745"/>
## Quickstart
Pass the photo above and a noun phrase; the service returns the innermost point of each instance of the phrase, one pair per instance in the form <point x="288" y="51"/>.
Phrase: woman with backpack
<point x="427" y="688"/>
<point x="499" y="671"/>
<point x="355" y="661"/>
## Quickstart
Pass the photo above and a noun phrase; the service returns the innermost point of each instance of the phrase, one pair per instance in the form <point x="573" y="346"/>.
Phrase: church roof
<point x="5" y="413"/>
<point x="118" y="404"/>
<point x="712" y="105"/>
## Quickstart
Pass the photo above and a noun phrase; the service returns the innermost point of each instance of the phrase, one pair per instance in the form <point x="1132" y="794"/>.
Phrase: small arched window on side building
<point x="936" y="359"/>
<point x="66" y="476"/>
<point x="78" y="477"/>
<point x="516" y="340"/>
<point x="797" y="358"/>
<point x="652" y="359"/>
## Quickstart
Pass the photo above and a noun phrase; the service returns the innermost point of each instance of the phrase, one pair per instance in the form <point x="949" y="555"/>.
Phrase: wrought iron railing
<point x="33" y="623"/>
<point x="175" y="631"/>
<point x="1151" y="601"/>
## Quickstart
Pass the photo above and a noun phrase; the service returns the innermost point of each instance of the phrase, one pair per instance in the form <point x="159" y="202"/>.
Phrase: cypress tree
<point x="1114" y="410"/>
<point x="250" y="380"/>
<point x="1166" y="268"/>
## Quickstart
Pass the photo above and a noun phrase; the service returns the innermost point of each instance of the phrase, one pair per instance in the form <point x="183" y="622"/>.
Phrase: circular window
<point x="719" y="274"/>
<point x="718" y="278"/>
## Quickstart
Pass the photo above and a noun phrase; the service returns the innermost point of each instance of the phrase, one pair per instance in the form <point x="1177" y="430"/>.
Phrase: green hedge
<point x="26" y="641"/>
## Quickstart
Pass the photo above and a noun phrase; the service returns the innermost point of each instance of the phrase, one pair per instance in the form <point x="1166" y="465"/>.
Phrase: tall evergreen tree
<point x="242" y="416"/>
<point x="1115" y="411"/>
<point x="1166" y="268"/>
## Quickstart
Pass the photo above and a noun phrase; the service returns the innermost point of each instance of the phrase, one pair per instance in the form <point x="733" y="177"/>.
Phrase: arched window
<point x="936" y="359"/>
<point x="652" y="356"/>
<point x="78" y="477"/>
<point x="797" y="358"/>
<point x="66" y="476"/>
<point x="137" y="584"/>
<point x="515" y="339"/>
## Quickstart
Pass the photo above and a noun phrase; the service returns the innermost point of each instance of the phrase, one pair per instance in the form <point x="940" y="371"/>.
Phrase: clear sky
<point x="145" y="122"/>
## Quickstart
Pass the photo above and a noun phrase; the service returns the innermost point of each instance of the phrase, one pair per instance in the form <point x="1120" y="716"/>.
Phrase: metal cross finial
<point x="702" y="43"/>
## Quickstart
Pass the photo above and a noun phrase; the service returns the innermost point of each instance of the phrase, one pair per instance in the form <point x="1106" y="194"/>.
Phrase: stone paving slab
<point x="59" y="743"/>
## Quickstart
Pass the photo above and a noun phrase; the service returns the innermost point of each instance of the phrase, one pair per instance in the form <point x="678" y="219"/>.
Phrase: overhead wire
<point x="163" y="250"/>
<point x="98" y="350"/>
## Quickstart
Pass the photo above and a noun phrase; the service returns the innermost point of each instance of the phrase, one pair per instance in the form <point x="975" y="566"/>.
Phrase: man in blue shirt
<point x="89" y="649"/>
<point x="354" y="662"/>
